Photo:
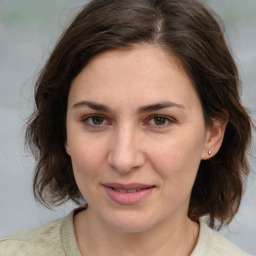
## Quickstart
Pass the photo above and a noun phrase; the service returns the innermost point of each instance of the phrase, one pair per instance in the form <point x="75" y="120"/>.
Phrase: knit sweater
<point x="58" y="238"/>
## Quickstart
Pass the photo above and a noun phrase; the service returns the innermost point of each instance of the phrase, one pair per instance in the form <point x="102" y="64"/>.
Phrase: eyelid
<point x="87" y="117"/>
<point x="106" y="122"/>
<point x="167" y="118"/>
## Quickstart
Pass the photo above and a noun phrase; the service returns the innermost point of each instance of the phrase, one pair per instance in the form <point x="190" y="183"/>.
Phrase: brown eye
<point x="159" y="120"/>
<point x="97" y="120"/>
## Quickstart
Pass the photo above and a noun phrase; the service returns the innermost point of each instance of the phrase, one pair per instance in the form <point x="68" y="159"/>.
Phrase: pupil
<point x="159" y="120"/>
<point x="97" y="120"/>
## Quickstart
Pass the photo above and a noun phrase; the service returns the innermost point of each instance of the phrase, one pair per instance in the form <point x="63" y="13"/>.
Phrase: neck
<point x="177" y="237"/>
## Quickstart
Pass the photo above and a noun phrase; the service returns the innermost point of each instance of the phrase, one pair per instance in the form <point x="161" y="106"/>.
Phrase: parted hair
<point x="183" y="28"/>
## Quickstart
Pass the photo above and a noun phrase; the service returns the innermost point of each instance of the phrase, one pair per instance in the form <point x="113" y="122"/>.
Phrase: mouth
<point x="128" y="194"/>
<point x="127" y="190"/>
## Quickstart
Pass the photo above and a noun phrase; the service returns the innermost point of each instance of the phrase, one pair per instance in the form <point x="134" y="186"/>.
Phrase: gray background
<point x="28" y="31"/>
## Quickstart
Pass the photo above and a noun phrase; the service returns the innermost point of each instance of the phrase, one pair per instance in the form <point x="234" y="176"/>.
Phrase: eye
<point x="95" y="121"/>
<point x="160" y="121"/>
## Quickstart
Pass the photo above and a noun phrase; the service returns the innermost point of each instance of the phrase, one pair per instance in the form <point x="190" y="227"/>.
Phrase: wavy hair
<point x="184" y="28"/>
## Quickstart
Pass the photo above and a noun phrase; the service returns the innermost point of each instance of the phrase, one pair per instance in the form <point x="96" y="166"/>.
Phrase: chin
<point x="130" y="223"/>
<point x="130" y="227"/>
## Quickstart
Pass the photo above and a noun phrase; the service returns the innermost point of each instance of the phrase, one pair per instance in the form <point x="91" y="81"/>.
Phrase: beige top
<point x="58" y="238"/>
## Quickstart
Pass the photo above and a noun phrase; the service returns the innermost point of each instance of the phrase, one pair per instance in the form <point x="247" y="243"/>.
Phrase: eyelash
<point x="86" y="119"/>
<point x="167" y="121"/>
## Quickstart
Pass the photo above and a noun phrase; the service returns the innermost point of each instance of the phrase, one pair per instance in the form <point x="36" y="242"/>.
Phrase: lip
<point x="126" y="198"/>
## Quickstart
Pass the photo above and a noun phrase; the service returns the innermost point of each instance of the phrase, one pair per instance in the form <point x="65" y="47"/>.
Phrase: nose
<point x="125" y="154"/>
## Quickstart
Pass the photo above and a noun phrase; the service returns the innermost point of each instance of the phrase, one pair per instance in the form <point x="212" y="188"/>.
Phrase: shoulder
<point x="225" y="247"/>
<point x="212" y="243"/>
<point x="42" y="240"/>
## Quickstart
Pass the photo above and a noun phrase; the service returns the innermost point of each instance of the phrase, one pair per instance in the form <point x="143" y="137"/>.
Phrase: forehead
<point x="143" y="56"/>
<point x="143" y="73"/>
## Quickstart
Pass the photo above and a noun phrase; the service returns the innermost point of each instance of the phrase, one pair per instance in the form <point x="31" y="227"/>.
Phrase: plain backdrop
<point x="28" y="32"/>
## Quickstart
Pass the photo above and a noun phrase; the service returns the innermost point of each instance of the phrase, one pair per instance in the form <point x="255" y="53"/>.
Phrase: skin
<point x="126" y="143"/>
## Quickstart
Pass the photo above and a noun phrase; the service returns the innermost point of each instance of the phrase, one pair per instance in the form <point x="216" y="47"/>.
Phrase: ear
<point x="67" y="148"/>
<point x="214" y="136"/>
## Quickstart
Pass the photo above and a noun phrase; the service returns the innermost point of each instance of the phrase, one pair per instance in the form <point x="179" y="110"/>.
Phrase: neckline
<point x="70" y="245"/>
<point x="68" y="236"/>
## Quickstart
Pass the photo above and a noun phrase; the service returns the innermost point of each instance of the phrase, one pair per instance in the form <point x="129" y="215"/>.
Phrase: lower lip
<point x="128" y="198"/>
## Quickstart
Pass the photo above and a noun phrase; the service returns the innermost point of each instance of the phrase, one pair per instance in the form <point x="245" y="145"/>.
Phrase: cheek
<point x="86" y="162"/>
<point x="87" y="158"/>
<point x="177" y="165"/>
<point x="177" y="158"/>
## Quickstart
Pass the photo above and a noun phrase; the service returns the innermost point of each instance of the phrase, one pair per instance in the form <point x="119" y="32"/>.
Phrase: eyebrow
<point x="143" y="109"/>
<point x="92" y="105"/>
<point x="158" y="106"/>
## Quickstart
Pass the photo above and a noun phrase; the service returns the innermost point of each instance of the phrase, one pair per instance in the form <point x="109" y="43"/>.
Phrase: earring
<point x="67" y="148"/>
<point x="209" y="152"/>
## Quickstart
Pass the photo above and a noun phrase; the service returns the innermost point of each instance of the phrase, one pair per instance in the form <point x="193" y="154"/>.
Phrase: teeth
<point x="127" y="190"/>
<point x="131" y="190"/>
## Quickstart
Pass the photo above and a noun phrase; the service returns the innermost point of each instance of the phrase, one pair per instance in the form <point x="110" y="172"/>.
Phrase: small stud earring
<point x="67" y="148"/>
<point x="209" y="152"/>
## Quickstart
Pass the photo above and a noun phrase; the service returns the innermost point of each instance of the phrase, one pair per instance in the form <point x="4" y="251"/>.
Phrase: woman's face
<point x="136" y="133"/>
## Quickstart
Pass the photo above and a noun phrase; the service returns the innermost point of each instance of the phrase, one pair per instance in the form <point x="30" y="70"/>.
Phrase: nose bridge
<point x="125" y="154"/>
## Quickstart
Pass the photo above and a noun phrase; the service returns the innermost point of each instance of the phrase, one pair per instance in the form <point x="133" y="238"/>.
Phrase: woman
<point x="138" y="113"/>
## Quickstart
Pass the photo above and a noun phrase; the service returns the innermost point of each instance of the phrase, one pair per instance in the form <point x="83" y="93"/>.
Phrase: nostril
<point x="124" y="162"/>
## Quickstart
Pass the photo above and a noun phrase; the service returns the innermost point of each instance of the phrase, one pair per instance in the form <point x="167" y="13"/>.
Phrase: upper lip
<point x="128" y="186"/>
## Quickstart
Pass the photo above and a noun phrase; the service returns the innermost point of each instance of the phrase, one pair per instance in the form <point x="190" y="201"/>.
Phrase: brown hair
<point x="184" y="28"/>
